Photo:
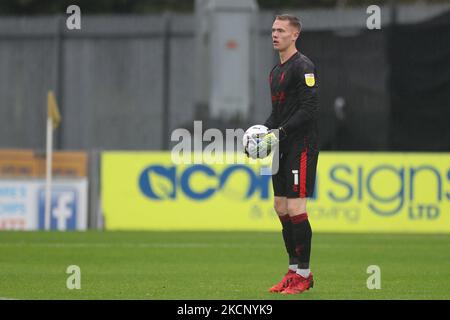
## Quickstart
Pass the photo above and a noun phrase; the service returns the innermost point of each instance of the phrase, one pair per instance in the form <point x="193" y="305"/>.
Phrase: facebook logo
<point x="63" y="209"/>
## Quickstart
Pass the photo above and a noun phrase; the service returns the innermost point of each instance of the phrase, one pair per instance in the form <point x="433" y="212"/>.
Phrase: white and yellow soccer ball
<point x="253" y="135"/>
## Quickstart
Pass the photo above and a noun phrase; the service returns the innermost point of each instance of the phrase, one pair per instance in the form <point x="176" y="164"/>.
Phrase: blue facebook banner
<point x="64" y="208"/>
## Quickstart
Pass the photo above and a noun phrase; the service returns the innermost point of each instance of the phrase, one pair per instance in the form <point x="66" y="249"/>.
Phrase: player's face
<point x="283" y="35"/>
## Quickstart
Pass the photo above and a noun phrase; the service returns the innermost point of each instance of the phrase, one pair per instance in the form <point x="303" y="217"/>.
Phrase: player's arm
<point x="270" y="122"/>
<point x="308" y="101"/>
<point x="265" y="146"/>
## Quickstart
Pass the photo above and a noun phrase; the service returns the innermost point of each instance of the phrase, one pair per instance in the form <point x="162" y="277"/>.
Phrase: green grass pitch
<point x="218" y="265"/>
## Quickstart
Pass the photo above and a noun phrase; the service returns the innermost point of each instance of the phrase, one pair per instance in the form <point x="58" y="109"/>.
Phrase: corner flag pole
<point x="53" y="120"/>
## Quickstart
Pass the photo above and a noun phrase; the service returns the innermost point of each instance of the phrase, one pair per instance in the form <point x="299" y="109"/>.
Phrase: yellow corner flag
<point x="52" y="110"/>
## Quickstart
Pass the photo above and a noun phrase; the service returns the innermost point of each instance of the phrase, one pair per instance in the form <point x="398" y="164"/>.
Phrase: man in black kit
<point x="293" y="124"/>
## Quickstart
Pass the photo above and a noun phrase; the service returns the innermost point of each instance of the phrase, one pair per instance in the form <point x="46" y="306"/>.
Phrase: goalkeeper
<point x="293" y="86"/>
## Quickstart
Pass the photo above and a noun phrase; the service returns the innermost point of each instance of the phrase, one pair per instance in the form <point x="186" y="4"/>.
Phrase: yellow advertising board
<point x="355" y="192"/>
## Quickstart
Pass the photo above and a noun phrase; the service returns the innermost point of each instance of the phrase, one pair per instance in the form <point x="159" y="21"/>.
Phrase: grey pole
<point x="166" y="83"/>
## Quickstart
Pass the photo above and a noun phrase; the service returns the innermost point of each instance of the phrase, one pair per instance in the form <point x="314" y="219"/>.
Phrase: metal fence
<point x="124" y="82"/>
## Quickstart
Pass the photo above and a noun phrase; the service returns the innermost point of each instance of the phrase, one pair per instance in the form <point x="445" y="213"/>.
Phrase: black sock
<point x="288" y="238"/>
<point x="302" y="232"/>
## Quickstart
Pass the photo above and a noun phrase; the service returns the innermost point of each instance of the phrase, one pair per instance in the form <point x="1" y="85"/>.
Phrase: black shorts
<point x="296" y="174"/>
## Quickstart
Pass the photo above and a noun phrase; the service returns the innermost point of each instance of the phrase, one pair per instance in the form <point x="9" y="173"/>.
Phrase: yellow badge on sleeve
<point x="309" y="79"/>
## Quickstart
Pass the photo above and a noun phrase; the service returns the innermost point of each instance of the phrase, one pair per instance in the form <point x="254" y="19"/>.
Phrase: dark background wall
<point x="419" y="56"/>
<point x="110" y="79"/>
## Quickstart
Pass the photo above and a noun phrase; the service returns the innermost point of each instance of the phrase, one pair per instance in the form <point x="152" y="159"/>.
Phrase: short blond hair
<point x="293" y="20"/>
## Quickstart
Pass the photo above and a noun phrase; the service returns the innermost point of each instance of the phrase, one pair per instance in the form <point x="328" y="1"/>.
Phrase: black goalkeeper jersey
<point x="294" y="87"/>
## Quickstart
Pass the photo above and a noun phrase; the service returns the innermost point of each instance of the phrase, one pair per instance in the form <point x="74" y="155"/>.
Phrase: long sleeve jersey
<point x="293" y="86"/>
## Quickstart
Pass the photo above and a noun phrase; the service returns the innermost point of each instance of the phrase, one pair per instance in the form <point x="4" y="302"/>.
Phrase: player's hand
<point x="267" y="144"/>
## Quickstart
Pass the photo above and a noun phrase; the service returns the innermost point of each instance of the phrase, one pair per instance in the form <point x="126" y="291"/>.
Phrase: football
<point x="253" y="135"/>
